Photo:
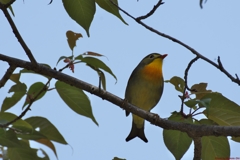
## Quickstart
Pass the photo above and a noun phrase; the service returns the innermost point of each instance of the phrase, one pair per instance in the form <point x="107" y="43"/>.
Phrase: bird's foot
<point x="156" y="117"/>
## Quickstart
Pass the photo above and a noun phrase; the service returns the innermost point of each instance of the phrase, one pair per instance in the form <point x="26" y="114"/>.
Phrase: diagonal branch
<point x="191" y="129"/>
<point x="17" y="34"/>
<point x="7" y="75"/>
<point x="155" y="7"/>
<point x="186" y="85"/>
<point x="197" y="148"/>
<point x="235" y="80"/>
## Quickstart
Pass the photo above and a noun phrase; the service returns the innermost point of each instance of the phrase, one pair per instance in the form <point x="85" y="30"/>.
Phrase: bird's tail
<point x="137" y="132"/>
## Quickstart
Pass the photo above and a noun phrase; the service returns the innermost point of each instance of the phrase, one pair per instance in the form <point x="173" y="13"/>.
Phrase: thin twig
<point x="28" y="107"/>
<point x="186" y="85"/>
<point x="235" y="80"/>
<point x="197" y="148"/>
<point x="155" y="7"/>
<point x="19" y="37"/>
<point x="197" y="113"/>
<point x="7" y="75"/>
<point x="32" y="100"/>
<point x="187" y="70"/>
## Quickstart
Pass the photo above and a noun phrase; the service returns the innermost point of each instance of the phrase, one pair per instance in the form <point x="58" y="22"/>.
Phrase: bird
<point x="144" y="90"/>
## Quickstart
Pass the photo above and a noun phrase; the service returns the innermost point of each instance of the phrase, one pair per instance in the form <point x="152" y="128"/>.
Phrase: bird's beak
<point x="163" y="56"/>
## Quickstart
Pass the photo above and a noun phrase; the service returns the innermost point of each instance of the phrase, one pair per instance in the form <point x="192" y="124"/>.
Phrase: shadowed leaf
<point x="212" y="146"/>
<point x="222" y="110"/>
<point x="76" y="99"/>
<point x="23" y="154"/>
<point x="9" y="138"/>
<point x="45" y="154"/>
<point x="96" y="63"/>
<point x="48" y="143"/>
<point x="178" y="83"/>
<point x="177" y="142"/>
<point x="19" y="124"/>
<point x="19" y="91"/>
<point x="46" y="128"/>
<point x="15" y="77"/>
<point x="33" y="92"/>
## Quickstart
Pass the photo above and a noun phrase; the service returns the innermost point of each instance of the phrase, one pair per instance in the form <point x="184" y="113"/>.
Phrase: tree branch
<point x="7" y="75"/>
<point x="191" y="129"/>
<point x="186" y="85"/>
<point x="235" y="80"/>
<point x="155" y="7"/>
<point x="197" y="148"/>
<point x="17" y="34"/>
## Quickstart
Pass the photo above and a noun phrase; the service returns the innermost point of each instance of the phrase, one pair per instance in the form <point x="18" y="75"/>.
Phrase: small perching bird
<point x="144" y="90"/>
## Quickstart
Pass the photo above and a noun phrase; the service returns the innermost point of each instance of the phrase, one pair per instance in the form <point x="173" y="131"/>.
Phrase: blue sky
<point x="213" y="31"/>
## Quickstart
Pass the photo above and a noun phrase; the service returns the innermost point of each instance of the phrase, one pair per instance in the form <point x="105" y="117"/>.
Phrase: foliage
<point x="16" y="133"/>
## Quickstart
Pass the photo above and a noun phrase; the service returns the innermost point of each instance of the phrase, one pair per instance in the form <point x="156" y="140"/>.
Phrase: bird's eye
<point x="151" y="56"/>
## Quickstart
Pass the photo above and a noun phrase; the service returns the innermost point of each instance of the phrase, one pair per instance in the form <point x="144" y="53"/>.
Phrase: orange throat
<point x="153" y="71"/>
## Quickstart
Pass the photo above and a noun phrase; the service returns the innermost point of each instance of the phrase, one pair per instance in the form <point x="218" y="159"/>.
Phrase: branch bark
<point x="7" y="75"/>
<point x="197" y="148"/>
<point x="191" y="129"/>
<point x="218" y="66"/>
<point x="16" y="33"/>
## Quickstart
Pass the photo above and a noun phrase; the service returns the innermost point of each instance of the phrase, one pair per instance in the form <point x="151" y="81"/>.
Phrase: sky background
<point x="213" y="31"/>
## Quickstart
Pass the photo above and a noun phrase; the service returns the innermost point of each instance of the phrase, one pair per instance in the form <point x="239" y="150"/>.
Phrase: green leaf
<point x="15" y="77"/>
<point x="236" y="139"/>
<point x="19" y="90"/>
<point x="45" y="154"/>
<point x="49" y="144"/>
<point x="222" y="110"/>
<point x="72" y="38"/>
<point x="34" y="91"/>
<point x="96" y="63"/>
<point x="76" y="99"/>
<point x="81" y="11"/>
<point x="19" y="124"/>
<point x="23" y="154"/>
<point x="204" y="102"/>
<point x="213" y="147"/>
<point x="9" y="138"/>
<point x="46" y="128"/>
<point x="101" y="75"/>
<point x="177" y="142"/>
<point x="64" y="57"/>
<point x="178" y="83"/>
<point x="191" y="103"/>
<point x="103" y="79"/>
<point x="109" y="7"/>
<point x="34" y="135"/>
<point x="89" y="53"/>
